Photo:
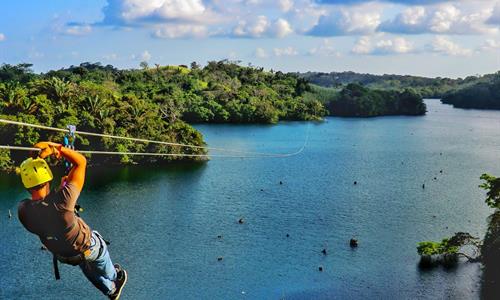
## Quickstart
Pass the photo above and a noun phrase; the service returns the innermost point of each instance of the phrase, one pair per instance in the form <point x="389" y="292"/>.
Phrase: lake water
<point x="164" y="222"/>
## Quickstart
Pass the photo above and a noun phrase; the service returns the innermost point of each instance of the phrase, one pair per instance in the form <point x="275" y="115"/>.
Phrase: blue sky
<point x="429" y="37"/>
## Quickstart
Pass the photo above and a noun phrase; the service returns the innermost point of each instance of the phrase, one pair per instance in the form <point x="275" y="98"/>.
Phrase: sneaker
<point x="121" y="279"/>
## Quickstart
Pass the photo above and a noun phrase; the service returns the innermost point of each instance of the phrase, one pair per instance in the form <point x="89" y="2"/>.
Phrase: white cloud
<point x="494" y="18"/>
<point x="363" y="46"/>
<point x="445" y="46"/>
<point x="172" y="31"/>
<point x="2" y="37"/>
<point x="262" y="27"/>
<point x="145" y="56"/>
<point x="282" y="28"/>
<point x="305" y="15"/>
<point x="397" y="45"/>
<point x="255" y="29"/>
<point x="77" y="29"/>
<point x="348" y="21"/>
<point x="261" y="53"/>
<point x="325" y="49"/>
<point x="285" y="5"/>
<point x="130" y="11"/>
<point x="380" y="46"/>
<point x="287" y="51"/>
<point x="446" y="18"/>
<point x="490" y="45"/>
<point x="180" y="9"/>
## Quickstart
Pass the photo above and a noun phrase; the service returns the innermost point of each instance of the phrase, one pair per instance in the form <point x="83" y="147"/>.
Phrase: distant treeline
<point x="482" y="95"/>
<point x="356" y="100"/>
<point x="427" y="87"/>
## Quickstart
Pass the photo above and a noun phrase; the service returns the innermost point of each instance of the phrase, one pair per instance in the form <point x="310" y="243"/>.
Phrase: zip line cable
<point x="135" y="139"/>
<point x="251" y="154"/>
<point x="7" y="147"/>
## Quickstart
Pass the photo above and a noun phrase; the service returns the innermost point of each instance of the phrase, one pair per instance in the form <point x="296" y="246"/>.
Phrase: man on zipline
<point x="51" y="216"/>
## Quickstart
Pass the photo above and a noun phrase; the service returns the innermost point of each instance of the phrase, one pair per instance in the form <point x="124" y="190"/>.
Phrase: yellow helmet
<point x="35" y="172"/>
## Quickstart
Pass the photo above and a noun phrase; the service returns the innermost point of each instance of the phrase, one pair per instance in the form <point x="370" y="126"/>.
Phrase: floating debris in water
<point x="353" y="243"/>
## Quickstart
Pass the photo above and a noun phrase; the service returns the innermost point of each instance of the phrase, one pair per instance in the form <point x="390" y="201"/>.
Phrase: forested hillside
<point x="222" y="92"/>
<point x="153" y="103"/>
<point x="356" y="100"/>
<point x="425" y="86"/>
<point x="482" y="95"/>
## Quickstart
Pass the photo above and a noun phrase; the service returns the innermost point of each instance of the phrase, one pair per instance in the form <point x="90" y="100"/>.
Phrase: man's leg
<point x="99" y="269"/>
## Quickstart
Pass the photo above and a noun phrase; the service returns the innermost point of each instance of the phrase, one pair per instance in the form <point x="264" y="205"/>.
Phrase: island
<point x="481" y="95"/>
<point x="356" y="100"/>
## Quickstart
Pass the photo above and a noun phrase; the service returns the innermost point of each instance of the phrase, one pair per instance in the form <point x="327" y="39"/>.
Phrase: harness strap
<point x="56" y="267"/>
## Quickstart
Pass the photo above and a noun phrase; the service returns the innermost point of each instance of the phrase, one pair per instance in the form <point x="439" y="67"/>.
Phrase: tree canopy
<point x="152" y="102"/>
<point x="425" y="86"/>
<point x="221" y="92"/>
<point x="356" y="100"/>
<point x="482" y="95"/>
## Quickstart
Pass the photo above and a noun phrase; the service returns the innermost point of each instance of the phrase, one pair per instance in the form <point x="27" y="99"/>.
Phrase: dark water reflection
<point x="164" y="222"/>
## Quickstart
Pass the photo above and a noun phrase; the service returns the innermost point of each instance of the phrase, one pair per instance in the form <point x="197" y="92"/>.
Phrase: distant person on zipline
<point x="51" y="216"/>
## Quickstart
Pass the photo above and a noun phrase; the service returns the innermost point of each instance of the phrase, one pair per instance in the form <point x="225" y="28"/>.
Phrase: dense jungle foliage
<point x="221" y="92"/>
<point x="152" y="103"/>
<point x="355" y="100"/>
<point x="482" y="95"/>
<point x="425" y="86"/>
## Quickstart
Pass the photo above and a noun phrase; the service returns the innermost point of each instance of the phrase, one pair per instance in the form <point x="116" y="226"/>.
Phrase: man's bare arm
<point x="77" y="174"/>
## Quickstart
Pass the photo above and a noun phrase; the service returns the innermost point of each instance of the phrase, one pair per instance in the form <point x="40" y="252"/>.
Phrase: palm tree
<point x="61" y="91"/>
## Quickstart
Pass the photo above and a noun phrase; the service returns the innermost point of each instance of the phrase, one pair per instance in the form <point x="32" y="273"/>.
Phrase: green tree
<point x="492" y="186"/>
